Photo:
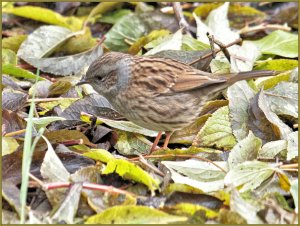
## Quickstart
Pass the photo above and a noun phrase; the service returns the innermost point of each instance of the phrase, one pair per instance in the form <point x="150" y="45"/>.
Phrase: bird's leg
<point x="168" y="136"/>
<point x="155" y="143"/>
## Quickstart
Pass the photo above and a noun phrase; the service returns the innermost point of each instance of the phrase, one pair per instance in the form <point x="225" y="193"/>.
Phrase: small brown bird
<point x="159" y="94"/>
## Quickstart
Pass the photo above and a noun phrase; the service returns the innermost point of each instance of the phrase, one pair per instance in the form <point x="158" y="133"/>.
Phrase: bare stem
<point x="180" y="18"/>
<point x="18" y="132"/>
<point x="264" y="26"/>
<point x="181" y="156"/>
<point x="211" y="53"/>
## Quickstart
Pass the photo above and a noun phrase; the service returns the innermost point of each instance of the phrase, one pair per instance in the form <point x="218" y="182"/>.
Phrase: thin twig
<point x="264" y="26"/>
<point x="144" y="161"/>
<point x="18" y="132"/>
<point x="211" y="53"/>
<point x="180" y="18"/>
<point x="223" y="49"/>
<point x="291" y="170"/>
<point x="71" y="142"/>
<point x="50" y="99"/>
<point x="289" y="166"/>
<point x="212" y="45"/>
<point x="90" y="186"/>
<point x="182" y="156"/>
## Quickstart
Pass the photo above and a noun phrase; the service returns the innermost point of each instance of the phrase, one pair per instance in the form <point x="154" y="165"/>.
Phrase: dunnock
<point x="159" y="94"/>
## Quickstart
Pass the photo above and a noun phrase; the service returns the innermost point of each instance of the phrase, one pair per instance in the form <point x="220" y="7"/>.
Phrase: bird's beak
<point x="83" y="81"/>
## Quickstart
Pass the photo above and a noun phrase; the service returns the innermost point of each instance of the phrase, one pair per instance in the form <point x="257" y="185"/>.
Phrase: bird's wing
<point x="161" y="75"/>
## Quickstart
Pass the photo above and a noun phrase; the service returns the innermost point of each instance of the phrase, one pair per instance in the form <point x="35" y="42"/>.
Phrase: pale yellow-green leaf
<point x="201" y="175"/>
<point x="292" y="145"/>
<point x="141" y="42"/>
<point x="46" y="15"/>
<point x="189" y="43"/>
<point x="270" y="82"/>
<point x="9" y="57"/>
<point x="294" y="191"/>
<point x="280" y="43"/>
<point x="18" y="72"/>
<point x="99" y="155"/>
<point x="277" y="65"/>
<point x="239" y="96"/>
<point x="63" y="104"/>
<point x="45" y="121"/>
<point x="245" y="150"/>
<point x="170" y="42"/>
<point x="9" y="145"/>
<point x="191" y="209"/>
<point x="271" y="149"/>
<point x="132" y="143"/>
<point x="13" y="43"/>
<point x="124" y="125"/>
<point x="217" y="131"/>
<point x="118" y="36"/>
<point x="131" y="171"/>
<point x="133" y="215"/>
<point x="249" y="174"/>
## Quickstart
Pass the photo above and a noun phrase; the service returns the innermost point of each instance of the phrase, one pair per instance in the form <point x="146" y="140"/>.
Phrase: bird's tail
<point x="235" y="77"/>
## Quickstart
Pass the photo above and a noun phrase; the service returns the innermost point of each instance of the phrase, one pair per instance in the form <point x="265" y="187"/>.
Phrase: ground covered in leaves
<point x="238" y="163"/>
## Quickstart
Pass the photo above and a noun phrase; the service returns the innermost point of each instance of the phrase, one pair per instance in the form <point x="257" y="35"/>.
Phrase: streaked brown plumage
<point x="157" y="93"/>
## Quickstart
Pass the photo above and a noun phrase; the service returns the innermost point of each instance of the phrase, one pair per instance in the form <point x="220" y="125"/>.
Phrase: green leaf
<point x="59" y="87"/>
<point x="99" y="155"/>
<point x="237" y="13"/>
<point x="13" y="43"/>
<point x="201" y="175"/>
<point x="9" y="145"/>
<point x="68" y="209"/>
<point x="192" y="209"/>
<point x="189" y="43"/>
<point x="132" y="144"/>
<point x="9" y="57"/>
<point x="292" y="145"/>
<point x="280" y="43"/>
<point x="294" y="191"/>
<point x="268" y="83"/>
<point x="141" y="42"/>
<point x="46" y="16"/>
<point x="78" y="43"/>
<point x="244" y="208"/>
<point x="239" y="95"/>
<point x="63" y="104"/>
<point x="125" y="126"/>
<point x="249" y="174"/>
<point x="18" y="72"/>
<point x="283" y="99"/>
<point x="218" y="22"/>
<point x="114" y="17"/>
<point x="271" y="149"/>
<point x="133" y="215"/>
<point x="35" y="46"/>
<point x="188" y="134"/>
<point x="217" y="131"/>
<point x="45" y="121"/>
<point x="277" y="65"/>
<point x="123" y="29"/>
<point x="131" y="171"/>
<point x="35" y="50"/>
<point x="244" y="150"/>
<point x="263" y="122"/>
